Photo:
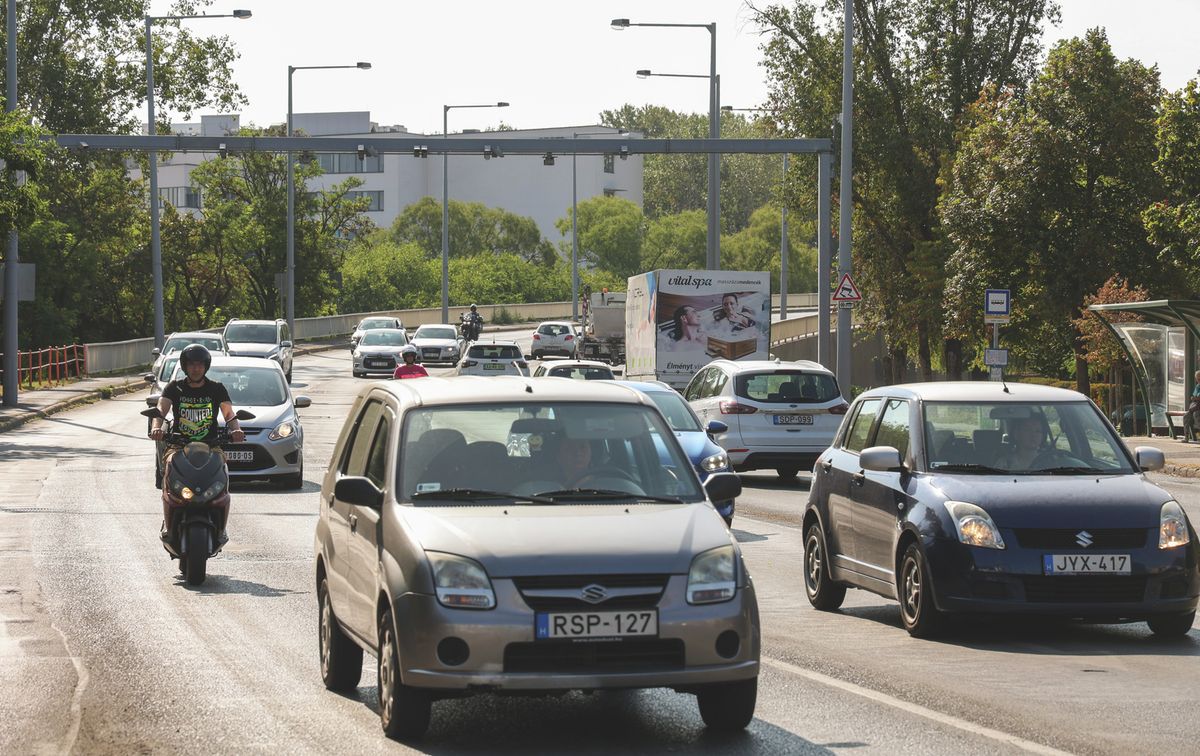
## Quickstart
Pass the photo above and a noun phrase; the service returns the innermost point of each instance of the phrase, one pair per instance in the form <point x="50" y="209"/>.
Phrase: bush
<point x="503" y="316"/>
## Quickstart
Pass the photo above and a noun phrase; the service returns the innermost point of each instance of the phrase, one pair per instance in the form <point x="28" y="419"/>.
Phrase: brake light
<point x="537" y="337"/>
<point x="841" y="409"/>
<point x="733" y="408"/>
<point x="569" y="338"/>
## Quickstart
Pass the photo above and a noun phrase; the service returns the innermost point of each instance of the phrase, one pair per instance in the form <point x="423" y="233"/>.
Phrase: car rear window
<point x="554" y="330"/>
<point x="494" y="352"/>
<point x="787" y="387"/>
<point x="582" y="373"/>
<point x="252" y="333"/>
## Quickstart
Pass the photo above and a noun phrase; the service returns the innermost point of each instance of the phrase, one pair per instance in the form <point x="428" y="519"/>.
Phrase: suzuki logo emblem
<point x="594" y="594"/>
<point x="1083" y="538"/>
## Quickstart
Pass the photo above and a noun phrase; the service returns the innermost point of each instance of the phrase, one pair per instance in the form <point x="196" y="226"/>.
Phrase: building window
<point x="348" y="162"/>
<point x="180" y="196"/>
<point x="376" y="198"/>
<point x="609" y="164"/>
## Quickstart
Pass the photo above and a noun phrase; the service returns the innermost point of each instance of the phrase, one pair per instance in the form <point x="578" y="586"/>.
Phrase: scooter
<point x="195" y="495"/>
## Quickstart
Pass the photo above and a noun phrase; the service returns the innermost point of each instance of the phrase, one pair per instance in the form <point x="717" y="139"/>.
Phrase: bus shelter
<point x="1161" y="346"/>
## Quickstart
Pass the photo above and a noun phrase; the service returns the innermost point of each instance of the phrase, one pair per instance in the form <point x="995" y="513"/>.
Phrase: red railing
<point x="51" y="366"/>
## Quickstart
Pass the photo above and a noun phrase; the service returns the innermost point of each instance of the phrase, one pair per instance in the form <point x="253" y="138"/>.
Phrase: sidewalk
<point x="1183" y="460"/>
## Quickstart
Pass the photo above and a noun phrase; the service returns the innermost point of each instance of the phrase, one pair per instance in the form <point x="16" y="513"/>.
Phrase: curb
<point x="1179" y="470"/>
<point x="75" y="401"/>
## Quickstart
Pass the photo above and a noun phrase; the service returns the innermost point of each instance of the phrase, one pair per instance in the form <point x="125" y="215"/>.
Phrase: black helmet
<point x="195" y="353"/>
<point x="472" y="308"/>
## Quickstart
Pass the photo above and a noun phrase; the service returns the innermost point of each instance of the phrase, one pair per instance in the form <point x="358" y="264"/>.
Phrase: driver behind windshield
<point x="1026" y="436"/>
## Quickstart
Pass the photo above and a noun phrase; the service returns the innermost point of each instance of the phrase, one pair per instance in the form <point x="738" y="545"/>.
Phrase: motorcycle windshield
<point x="196" y="465"/>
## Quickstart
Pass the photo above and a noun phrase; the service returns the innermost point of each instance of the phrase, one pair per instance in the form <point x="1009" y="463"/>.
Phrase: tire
<point x="788" y="474"/>
<point x="728" y="707"/>
<point x="403" y="711"/>
<point x="197" y="558"/>
<point x="292" y="481"/>
<point x="1172" y="625"/>
<point x="158" y="476"/>
<point x="915" y="590"/>
<point x="823" y="593"/>
<point x="537" y="356"/>
<point x="341" y="658"/>
<point x="289" y="376"/>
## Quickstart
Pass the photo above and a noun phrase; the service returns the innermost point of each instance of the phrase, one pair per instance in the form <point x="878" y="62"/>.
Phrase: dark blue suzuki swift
<point x="985" y="498"/>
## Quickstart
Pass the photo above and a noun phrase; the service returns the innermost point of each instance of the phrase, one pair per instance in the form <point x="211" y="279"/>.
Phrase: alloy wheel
<point x="815" y="560"/>
<point x="911" y="599"/>
<point x="387" y="674"/>
<point x="326" y="633"/>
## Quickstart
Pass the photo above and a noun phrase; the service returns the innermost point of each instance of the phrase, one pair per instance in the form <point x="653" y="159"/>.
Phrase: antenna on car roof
<point x="1003" y="382"/>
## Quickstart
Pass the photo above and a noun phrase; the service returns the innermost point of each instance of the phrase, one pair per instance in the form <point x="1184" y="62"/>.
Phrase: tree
<point x="1173" y="223"/>
<point x="1103" y="351"/>
<point x="757" y="247"/>
<point x="382" y="275"/>
<point x="611" y="230"/>
<point x="474" y="228"/>
<point x="1046" y="194"/>
<point x="918" y="65"/>
<point x="676" y="241"/>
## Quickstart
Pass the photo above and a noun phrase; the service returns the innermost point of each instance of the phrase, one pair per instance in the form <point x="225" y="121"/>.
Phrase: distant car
<point x="378" y="352"/>
<point x="497" y="358"/>
<point x="438" y="343"/>
<point x="990" y="498"/>
<point x="370" y="324"/>
<point x="269" y="339"/>
<point x="175" y="342"/>
<point x="582" y="370"/>
<point x="706" y="455"/>
<point x="466" y="562"/>
<point x="274" y="445"/>
<point x="554" y="337"/>
<point x="781" y="415"/>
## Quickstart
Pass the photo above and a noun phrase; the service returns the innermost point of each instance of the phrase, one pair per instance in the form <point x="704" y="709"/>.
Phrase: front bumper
<point x="497" y="637"/>
<point x="771" y="457"/>
<point x="374" y="365"/>
<point x="1011" y="580"/>
<point x="440" y="354"/>
<point x="271" y="458"/>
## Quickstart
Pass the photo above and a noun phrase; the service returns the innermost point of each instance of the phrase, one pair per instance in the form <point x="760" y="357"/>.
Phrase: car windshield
<point x="250" y="386"/>
<point x="676" y="410"/>
<point x="437" y="332"/>
<point x="167" y="369"/>
<point x="371" y="323"/>
<point x="581" y="373"/>
<point x="177" y="343"/>
<point x="252" y="333"/>
<point x="561" y="451"/>
<point x="788" y="387"/>
<point x="494" y="352"/>
<point x="384" y="338"/>
<point x="1020" y="438"/>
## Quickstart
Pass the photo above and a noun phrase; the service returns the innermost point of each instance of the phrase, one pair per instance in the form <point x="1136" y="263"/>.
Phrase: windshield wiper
<point x="605" y="493"/>
<point x="967" y="467"/>
<point x="1070" y="470"/>
<point x="476" y="494"/>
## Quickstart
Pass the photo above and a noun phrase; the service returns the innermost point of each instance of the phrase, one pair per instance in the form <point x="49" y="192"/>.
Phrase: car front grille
<point x="1067" y="538"/>
<point x="570" y="590"/>
<point x="1085" y="589"/>
<point x="379" y="363"/>
<point x="262" y="458"/>
<point x="581" y="658"/>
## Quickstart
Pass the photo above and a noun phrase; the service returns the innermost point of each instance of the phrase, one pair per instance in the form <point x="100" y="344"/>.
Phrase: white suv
<point x="499" y="358"/>
<point x="781" y="415"/>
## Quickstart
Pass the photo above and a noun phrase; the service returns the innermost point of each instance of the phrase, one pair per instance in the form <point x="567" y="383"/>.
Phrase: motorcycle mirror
<point x="152" y="412"/>
<point x="244" y="415"/>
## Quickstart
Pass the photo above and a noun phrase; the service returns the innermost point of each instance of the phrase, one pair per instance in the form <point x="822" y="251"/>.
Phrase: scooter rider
<point x="194" y="402"/>
<point x="410" y="368"/>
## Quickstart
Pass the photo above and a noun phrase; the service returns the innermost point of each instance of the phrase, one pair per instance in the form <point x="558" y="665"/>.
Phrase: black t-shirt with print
<point x="196" y="409"/>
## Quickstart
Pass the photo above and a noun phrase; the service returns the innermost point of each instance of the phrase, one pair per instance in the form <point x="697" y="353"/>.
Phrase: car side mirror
<point x="881" y="459"/>
<point x="285" y="343"/>
<point x="715" y="427"/>
<point x="244" y="415"/>
<point x="152" y="401"/>
<point x="358" y="491"/>
<point x="723" y="487"/>
<point x="301" y="402"/>
<point x="1148" y="458"/>
<point x="155" y="351"/>
<point x="148" y="377"/>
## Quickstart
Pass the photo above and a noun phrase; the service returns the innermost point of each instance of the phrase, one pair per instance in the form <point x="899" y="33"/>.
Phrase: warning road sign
<point x="846" y="291"/>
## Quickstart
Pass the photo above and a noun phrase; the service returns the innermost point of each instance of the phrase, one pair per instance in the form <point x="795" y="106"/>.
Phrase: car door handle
<point x="353" y="522"/>
<point x="859" y="478"/>
<point x="827" y="465"/>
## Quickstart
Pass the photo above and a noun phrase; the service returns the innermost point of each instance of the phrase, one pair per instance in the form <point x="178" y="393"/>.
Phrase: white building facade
<point x="521" y="184"/>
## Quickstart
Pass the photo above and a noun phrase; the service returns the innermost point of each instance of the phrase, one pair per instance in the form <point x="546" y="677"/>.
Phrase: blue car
<point x="989" y="498"/>
<point x="706" y="455"/>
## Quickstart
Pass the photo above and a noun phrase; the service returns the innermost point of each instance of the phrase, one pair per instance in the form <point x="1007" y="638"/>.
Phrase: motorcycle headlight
<point x="713" y="576"/>
<point x="718" y="461"/>
<point x="974" y="526"/>
<point x="460" y="583"/>
<point x="186" y="493"/>
<point x="214" y="490"/>
<point x="1172" y="526"/>
<point x="283" y="430"/>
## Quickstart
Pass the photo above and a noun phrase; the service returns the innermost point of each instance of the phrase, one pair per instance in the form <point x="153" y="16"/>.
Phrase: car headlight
<point x="1172" y="526"/>
<point x="283" y="430"/>
<point x="460" y="583"/>
<point x="974" y="526"/>
<point x="718" y="461"/>
<point x="712" y="577"/>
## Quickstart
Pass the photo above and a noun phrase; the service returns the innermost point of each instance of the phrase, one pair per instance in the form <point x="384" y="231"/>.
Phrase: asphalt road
<point x="103" y="649"/>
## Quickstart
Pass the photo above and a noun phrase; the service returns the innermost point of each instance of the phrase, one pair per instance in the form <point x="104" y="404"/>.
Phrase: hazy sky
<point x="558" y="62"/>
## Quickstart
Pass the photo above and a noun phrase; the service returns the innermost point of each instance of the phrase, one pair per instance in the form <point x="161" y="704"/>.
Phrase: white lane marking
<point x="82" y="678"/>
<point x="911" y="708"/>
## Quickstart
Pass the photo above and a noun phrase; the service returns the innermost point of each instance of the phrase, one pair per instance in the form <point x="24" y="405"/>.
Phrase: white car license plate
<point x="494" y="366"/>
<point x="596" y="624"/>
<point x="793" y="419"/>
<point x="1086" y="564"/>
<point x="377" y="363"/>
<point x="239" y="456"/>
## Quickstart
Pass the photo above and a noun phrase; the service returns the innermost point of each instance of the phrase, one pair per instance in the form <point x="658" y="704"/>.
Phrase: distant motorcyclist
<point x="410" y="368"/>
<point x="472" y="324"/>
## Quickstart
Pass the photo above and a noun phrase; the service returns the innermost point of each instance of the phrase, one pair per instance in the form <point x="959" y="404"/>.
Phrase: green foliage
<point x="611" y="230"/>
<point x="1173" y="223"/>
<point x="757" y="247"/>
<point x="474" y="228"/>
<point x="21" y="150"/>
<point x="675" y="241"/>
<point x="383" y="275"/>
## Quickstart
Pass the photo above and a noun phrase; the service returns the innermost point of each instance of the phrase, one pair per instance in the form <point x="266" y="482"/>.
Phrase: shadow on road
<point x="19" y="451"/>
<point x="771" y="482"/>
<point x="220" y="585"/>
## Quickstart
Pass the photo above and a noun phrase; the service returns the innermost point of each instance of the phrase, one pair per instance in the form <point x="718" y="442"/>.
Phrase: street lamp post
<point x="446" y="204"/>
<point x="155" y="242"/>
<point x="291" y="198"/>
<point x="714" y="132"/>
<point x="574" y="235"/>
<point x="11" y="270"/>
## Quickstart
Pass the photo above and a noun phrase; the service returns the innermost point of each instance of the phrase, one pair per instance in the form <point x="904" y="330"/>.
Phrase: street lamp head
<point x="727" y="108"/>
<point x="502" y="104"/>
<point x="620" y="23"/>
<point x="643" y="73"/>
<point x="242" y="14"/>
<point x="364" y="65"/>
